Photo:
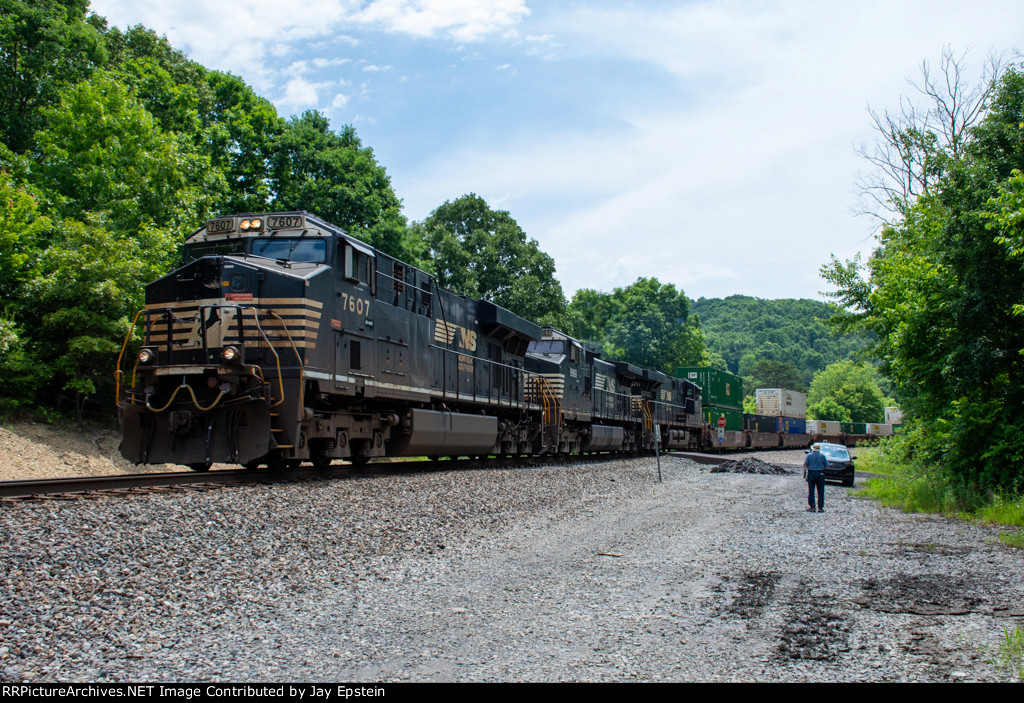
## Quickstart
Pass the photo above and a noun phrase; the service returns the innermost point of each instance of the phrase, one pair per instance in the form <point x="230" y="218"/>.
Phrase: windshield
<point x="835" y="452"/>
<point x="547" y="347"/>
<point x="291" y="249"/>
<point x="229" y="246"/>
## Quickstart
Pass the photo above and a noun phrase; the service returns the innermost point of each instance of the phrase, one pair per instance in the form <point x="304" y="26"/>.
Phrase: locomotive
<point x="282" y="339"/>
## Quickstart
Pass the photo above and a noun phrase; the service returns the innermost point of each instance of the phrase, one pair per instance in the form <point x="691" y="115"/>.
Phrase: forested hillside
<point x="793" y="335"/>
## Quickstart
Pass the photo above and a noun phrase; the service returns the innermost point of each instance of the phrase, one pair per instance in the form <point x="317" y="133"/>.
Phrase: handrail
<point x="302" y="367"/>
<point x="277" y="357"/>
<point x="118" y="373"/>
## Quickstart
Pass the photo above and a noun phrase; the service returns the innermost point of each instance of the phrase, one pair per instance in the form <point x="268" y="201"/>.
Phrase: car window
<point x="835" y="452"/>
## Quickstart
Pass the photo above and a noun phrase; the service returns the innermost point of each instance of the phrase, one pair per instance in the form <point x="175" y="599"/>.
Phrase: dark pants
<point x="816" y="479"/>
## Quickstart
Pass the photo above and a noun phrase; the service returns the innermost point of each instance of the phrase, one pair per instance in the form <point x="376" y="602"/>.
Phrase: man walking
<point x="815" y="464"/>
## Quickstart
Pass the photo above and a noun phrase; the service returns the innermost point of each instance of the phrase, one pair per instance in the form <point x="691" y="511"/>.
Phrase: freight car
<point x="282" y="339"/>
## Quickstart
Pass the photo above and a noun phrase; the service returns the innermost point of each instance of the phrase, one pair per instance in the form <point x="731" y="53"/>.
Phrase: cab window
<point x="291" y="249"/>
<point x="221" y="248"/>
<point x="357" y="265"/>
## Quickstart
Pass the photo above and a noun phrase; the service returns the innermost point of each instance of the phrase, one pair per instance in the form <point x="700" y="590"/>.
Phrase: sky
<point x="712" y="145"/>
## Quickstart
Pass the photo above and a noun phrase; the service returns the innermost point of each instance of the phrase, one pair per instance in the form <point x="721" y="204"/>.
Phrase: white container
<point x="893" y="416"/>
<point x="829" y="428"/>
<point x="781" y="403"/>
<point x="879" y="429"/>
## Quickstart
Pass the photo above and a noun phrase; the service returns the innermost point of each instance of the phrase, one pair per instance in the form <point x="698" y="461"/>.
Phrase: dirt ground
<point x="31" y="450"/>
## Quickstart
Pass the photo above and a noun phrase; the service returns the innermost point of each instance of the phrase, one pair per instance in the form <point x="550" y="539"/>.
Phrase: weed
<point x="1010" y="657"/>
<point x="1012" y="539"/>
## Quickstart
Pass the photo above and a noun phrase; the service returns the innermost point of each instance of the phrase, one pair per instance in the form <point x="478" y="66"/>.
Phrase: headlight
<point x="146" y="356"/>
<point x="231" y="355"/>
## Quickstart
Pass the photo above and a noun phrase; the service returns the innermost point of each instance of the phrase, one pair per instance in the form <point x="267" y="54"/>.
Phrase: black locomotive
<point x="281" y="339"/>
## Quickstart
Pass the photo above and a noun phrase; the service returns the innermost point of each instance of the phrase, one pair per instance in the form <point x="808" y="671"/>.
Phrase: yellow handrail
<point x="118" y="373"/>
<point x="302" y="367"/>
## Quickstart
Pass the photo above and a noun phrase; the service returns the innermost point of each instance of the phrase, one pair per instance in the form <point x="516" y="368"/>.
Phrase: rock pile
<point x="749" y="465"/>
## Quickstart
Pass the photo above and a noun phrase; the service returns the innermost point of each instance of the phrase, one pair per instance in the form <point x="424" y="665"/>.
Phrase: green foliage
<point x="89" y="286"/>
<point x="1005" y="213"/>
<point x="647" y="323"/>
<point x="103" y="153"/>
<point x="484" y="253"/>
<point x="334" y="176"/>
<point x="940" y="294"/>
<point x="846" y="392"/>
<point x="45" y="45"/>
<point x="748" y="332"/>
<point x="766" y="373"/>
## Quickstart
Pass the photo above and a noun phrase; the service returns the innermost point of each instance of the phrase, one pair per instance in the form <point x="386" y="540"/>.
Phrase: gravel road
<point x="566" y="573"/>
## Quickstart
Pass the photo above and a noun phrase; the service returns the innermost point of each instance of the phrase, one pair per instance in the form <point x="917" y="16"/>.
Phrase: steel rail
<point x="99" y="485"/>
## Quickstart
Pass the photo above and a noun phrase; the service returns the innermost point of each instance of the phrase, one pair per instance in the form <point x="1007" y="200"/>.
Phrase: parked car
<point x="840" y="463"/>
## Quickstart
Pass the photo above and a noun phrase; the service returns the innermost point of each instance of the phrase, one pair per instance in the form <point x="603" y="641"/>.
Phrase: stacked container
<point x="789" y="406"/>
<point x="781" y="403"/>
<point x="893" y="416"/>
<point x="718" y="389"/>
<point x="721" y="395"/>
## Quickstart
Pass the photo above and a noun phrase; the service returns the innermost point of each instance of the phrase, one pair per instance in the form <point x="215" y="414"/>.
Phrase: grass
<point x="1010" y="657"/>
<point x="908" y="487"/>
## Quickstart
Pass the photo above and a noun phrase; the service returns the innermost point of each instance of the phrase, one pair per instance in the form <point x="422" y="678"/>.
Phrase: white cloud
<point x="327" y="63"/>
<point x="463" y="20"/>
<point x="300" y="93"/>
<point x="239" y="35"/>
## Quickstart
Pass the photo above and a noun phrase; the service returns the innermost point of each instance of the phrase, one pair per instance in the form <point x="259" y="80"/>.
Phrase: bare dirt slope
<point x="31" y="450"/>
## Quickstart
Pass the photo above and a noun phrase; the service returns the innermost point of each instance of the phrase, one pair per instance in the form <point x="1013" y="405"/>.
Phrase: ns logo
<point x="445" y="333"/>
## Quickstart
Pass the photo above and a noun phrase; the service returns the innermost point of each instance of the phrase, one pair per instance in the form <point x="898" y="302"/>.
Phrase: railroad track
<point x="128" y="484"/>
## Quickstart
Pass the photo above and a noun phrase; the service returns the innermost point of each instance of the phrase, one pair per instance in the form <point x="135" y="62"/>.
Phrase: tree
<point x="846" y="392"/>
<point x="332" y="174"/>
<point x="646" y="323"/>
<point x="915" y="146"/>
<point x="939" y="293"/>
<point x="45" y="45"/>
<point x="103" y="153"/>
<point x="484" y="253"/>
<point x="766" y="373"/>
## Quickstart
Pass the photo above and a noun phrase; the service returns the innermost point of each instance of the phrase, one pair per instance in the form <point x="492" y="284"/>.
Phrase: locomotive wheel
<point x="203" y="466"/>
<point x="320" y="460"/>
<point x="252" y="465"/>
<point x="359" y="460"/>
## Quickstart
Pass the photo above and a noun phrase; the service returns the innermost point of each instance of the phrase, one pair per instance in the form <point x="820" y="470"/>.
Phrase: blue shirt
<point x="815" y="461"/>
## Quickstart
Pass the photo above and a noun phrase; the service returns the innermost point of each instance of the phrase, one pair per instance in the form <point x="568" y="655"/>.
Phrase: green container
<point x="853" y="427"/>
<point x="718" y="388"/>
<point x="733" y="418"/>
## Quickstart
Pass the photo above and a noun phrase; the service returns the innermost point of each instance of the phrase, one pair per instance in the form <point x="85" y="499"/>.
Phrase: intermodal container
<point x="823" y="427"/>
<point x="718" y="388"/>
<point x="893" y="416"/>
<point x="854" y="427"/>
<point x="781" y="403"/>
<point x="761" y="423"/>
<point x="733" y="418"/>
<point x="792" y="425"/>
<point x="880" y="429"/>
